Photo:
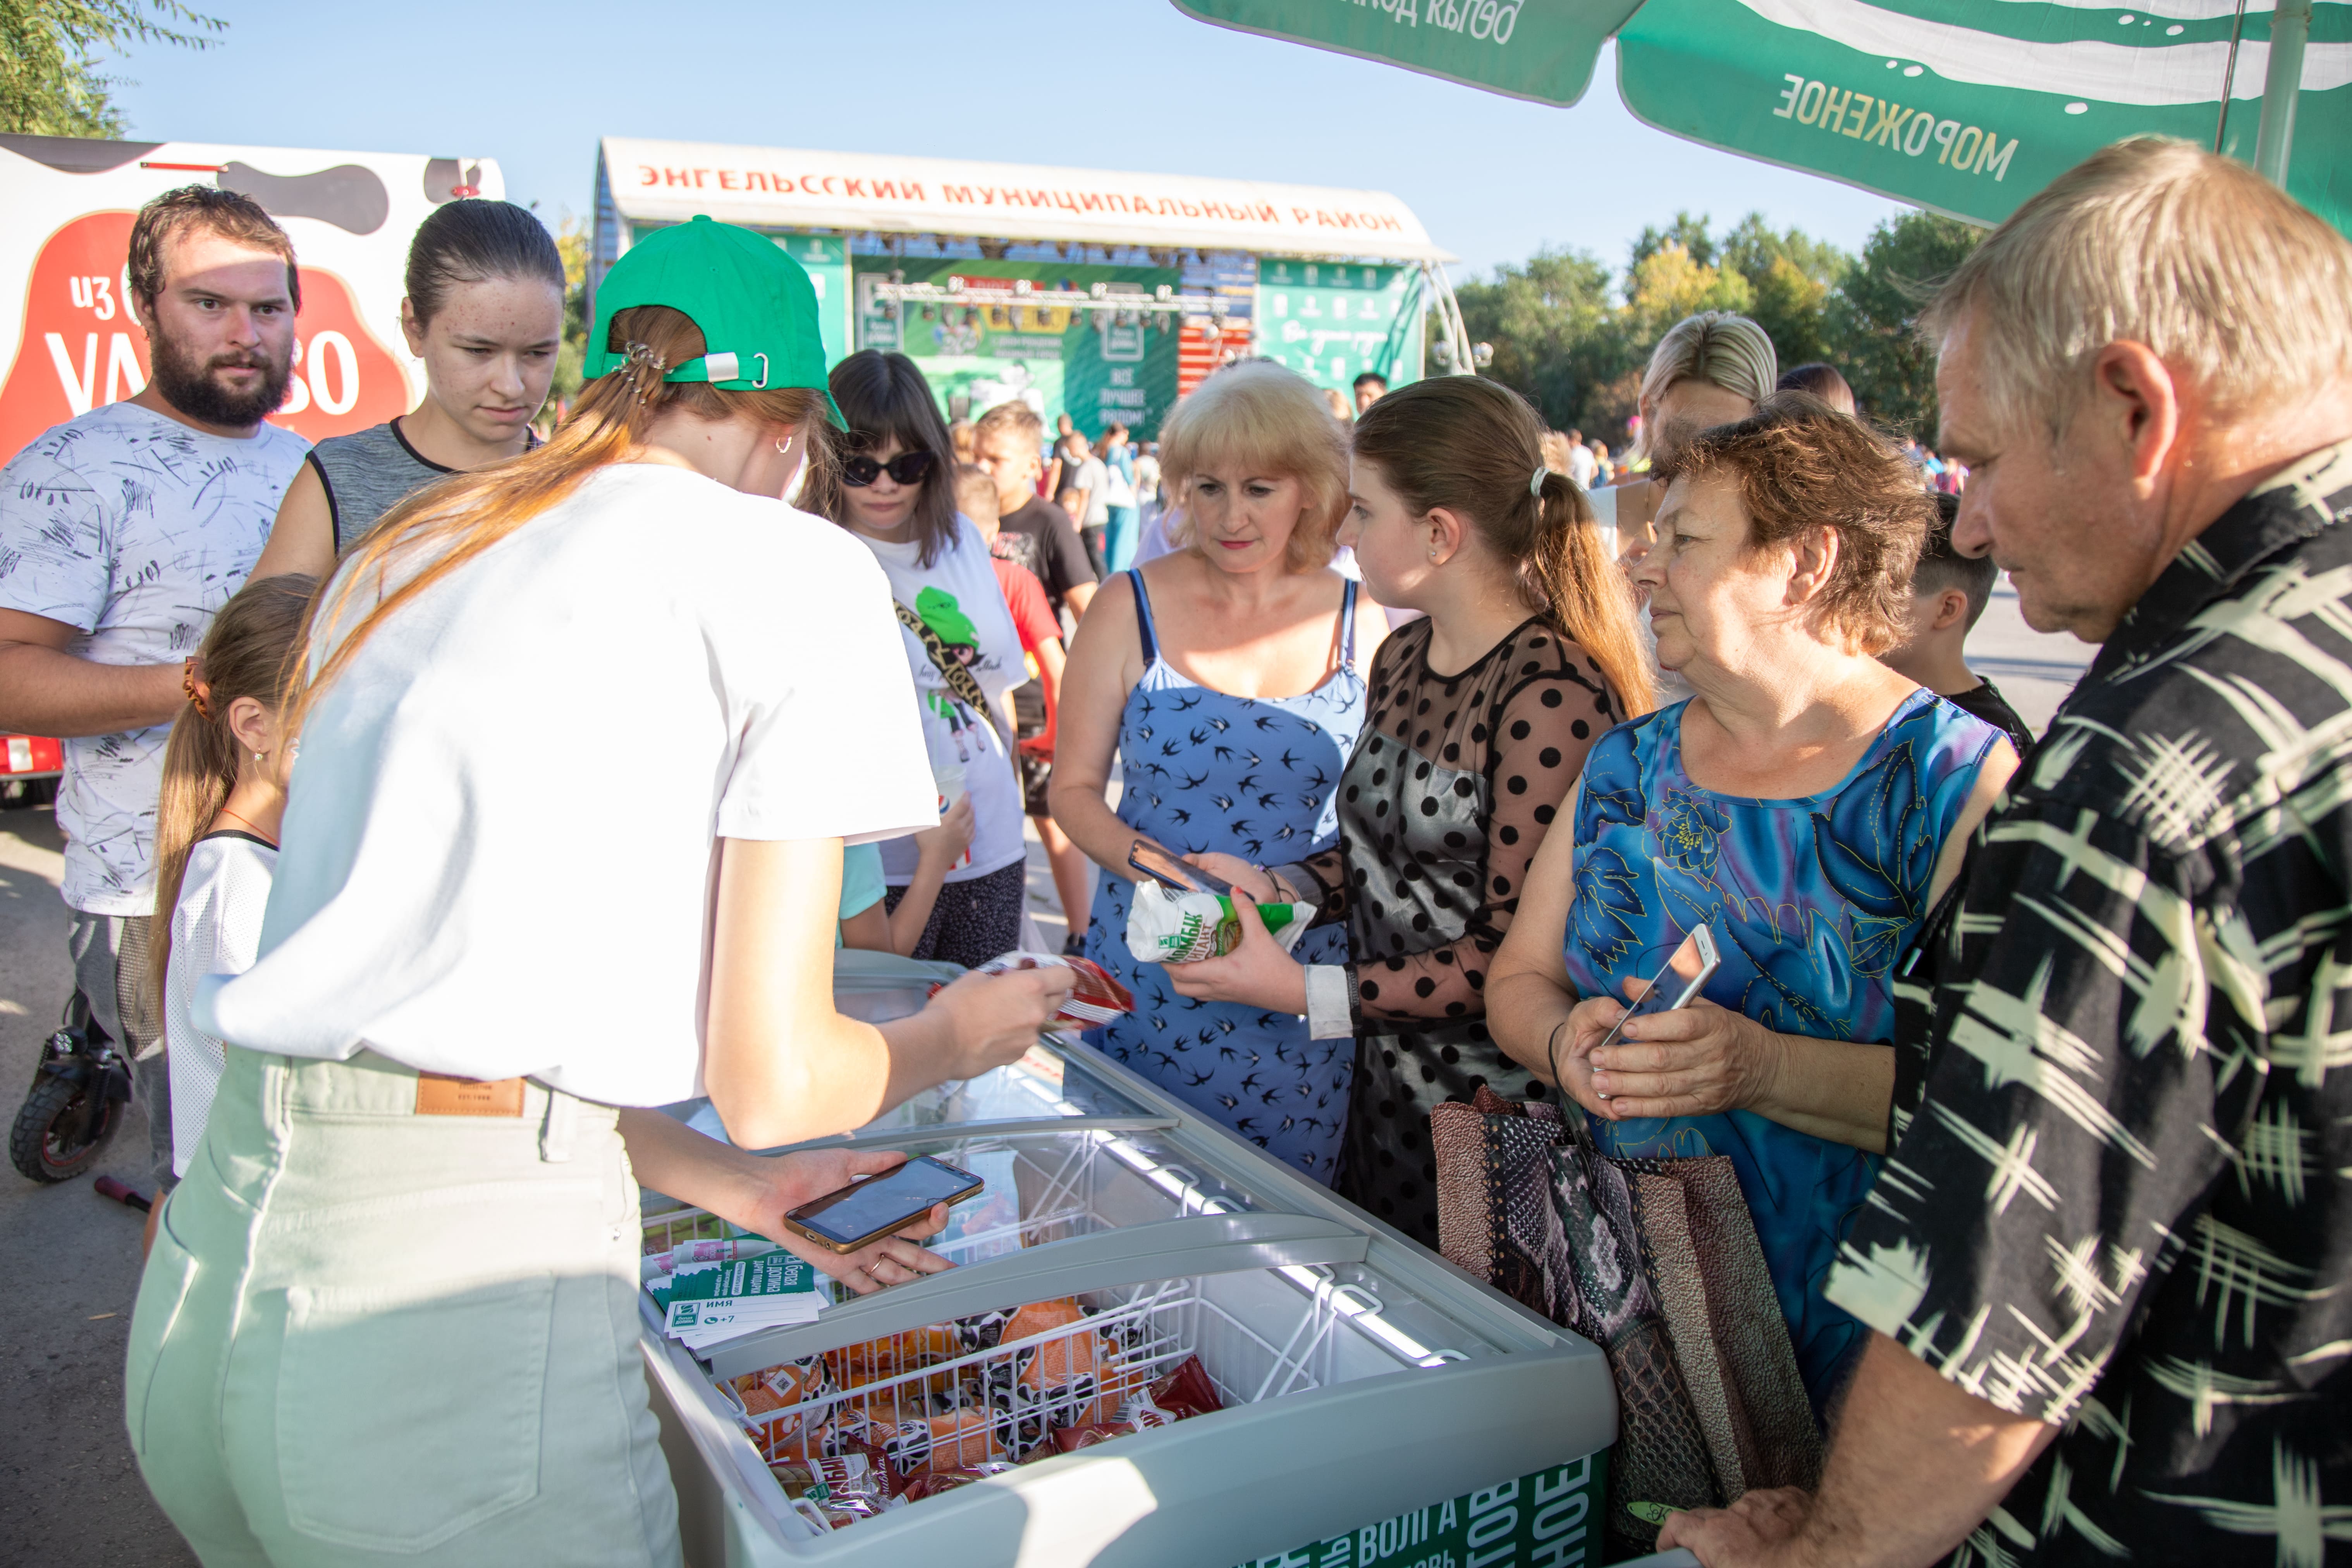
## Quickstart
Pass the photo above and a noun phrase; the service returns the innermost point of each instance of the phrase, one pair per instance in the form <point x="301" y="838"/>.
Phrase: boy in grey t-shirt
<point x="121" y="531"/>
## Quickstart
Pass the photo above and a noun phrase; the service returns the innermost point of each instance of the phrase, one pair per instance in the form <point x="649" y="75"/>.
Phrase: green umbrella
<point x="1964" y="106"/>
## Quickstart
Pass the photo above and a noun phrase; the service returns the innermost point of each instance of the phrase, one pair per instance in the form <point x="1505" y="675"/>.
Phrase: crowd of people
<point x="2025" y="1050"/>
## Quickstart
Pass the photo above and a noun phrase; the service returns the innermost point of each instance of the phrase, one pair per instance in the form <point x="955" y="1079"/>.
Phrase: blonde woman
<point x="1709" y="369"/>
<point x="1227" y="675"/>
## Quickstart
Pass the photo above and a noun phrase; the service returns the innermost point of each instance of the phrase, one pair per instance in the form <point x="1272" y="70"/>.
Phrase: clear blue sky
<point x="1112" y="84"/>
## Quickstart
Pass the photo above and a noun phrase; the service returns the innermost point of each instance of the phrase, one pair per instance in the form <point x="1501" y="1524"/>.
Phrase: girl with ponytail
<point x="1479" y="718"/>
<point x="216" y="827"/>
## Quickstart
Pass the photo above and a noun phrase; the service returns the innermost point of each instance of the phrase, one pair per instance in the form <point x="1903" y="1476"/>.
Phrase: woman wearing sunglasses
<point x="894" y="489"/>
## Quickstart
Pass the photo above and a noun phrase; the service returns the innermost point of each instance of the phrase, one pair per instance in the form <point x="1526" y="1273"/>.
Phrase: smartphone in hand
<point x="1175" y="875"/>
<point x="1677" y="984"/>
<point x="863" y="1213"/>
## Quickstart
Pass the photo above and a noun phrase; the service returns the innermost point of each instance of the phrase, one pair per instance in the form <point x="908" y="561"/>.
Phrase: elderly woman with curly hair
<point x="1807" y="803"/>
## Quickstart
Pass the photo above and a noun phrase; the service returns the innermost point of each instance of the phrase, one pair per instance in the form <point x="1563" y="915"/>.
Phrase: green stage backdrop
<point x="1097" y="366"/>
<point x="1332" y="321"/>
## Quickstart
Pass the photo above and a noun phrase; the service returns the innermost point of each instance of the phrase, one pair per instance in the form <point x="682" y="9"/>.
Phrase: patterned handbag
<point x="1657" y="1263"/>
<point x="1700" y="1251"/>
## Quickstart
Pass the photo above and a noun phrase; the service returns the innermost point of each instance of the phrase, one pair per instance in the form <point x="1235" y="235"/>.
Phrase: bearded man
<point x="121" y="532"/>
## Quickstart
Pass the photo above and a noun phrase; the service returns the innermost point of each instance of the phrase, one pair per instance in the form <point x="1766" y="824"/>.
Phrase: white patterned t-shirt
<point x="134" y="529"/>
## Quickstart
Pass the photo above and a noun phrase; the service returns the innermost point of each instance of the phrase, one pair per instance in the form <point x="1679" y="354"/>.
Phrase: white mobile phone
<point x="1678" y="981"/>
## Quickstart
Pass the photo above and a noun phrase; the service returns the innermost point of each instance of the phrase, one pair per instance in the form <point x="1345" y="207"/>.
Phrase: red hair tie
<point x="198" y="690"/>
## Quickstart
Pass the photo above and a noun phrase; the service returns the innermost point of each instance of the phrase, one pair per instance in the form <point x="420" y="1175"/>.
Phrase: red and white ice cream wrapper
<point x="1094" y="1000"/>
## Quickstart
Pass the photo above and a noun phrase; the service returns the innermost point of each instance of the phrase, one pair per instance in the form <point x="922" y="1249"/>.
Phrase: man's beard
<point x="188" y="385"/>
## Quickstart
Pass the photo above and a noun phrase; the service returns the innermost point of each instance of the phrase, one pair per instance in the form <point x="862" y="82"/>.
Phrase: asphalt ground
<point x="71" y="1496"/>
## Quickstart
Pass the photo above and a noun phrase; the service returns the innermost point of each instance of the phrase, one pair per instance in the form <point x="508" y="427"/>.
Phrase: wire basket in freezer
<point x="862" y="1428"/>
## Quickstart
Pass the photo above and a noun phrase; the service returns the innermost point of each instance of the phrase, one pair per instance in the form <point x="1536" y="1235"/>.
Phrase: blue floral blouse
<point x="1811" y="901"/>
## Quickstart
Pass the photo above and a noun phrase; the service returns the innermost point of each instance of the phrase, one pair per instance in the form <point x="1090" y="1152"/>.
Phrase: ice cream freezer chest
<point x="1159" y="1347"/>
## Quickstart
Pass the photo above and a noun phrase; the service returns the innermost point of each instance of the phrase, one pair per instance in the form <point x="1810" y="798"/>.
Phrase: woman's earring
<point x="785" y="448"/>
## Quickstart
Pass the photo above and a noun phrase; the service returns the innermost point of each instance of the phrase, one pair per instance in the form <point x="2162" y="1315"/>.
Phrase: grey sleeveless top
<point x="366" y="474"/>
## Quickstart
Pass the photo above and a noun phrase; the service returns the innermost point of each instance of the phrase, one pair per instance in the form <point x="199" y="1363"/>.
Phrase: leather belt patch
<point x="439" y="1096"/>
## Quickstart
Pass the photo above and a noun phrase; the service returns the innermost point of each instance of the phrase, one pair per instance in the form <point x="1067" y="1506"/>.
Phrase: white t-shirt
<point x="1095" y="479"/>
<point x="1582" y="465"/>
<point x="215" y="930"/>
<point x="456" y="890"/>
<point x="135" y="528"/>
<point x="964" y="585"/>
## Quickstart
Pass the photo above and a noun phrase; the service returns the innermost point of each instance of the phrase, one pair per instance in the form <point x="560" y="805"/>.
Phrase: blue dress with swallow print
<point x="1255" y="777"/>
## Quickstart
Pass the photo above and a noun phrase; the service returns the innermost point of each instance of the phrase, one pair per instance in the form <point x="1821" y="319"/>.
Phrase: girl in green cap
<point x="392" y="1311"/>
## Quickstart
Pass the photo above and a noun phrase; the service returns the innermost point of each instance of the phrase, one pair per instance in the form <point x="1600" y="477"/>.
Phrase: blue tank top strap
<point x="1348" y="626"/>
<point x="1143" y="625"/>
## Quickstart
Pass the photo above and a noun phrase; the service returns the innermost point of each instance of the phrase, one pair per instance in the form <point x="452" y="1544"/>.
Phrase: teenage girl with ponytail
<point x="1479" y="718"/>
<point x="392" y="1313"/>
<point x="484" y="312"/>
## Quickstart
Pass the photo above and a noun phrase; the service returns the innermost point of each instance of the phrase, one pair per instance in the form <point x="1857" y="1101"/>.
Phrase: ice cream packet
<point x="1094" y="1000"/>
<point x="1165" y="927"/>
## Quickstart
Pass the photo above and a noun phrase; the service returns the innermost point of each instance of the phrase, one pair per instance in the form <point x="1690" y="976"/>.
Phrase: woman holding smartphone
<point x="1807" y="806"/>
<point x="1226" y="677"/>
<point x="391" y="1312"/>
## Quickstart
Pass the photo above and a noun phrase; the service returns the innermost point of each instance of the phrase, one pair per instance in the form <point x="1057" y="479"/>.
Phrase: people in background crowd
<point x="1369" y="388"/>
<point x="1032" y="531"/>
<point x="1084" y="494"/>
<point x="484" y="312"/>
<point x="1227" y="677"/>
<point x="124" y="530"/>
<point x="2104" y="1270"/>
<point x="1480" y="714"/>
<point x="1120" y="497"/>
<point x="1583" y="464"/>
<point x="1807" y="804"/>
<point x="1822" y="381"/>
<point x="1036" y="702"/>
<point x="962" y="439"/>
<point x="895" y="491"/>
<point x="1341" y="408"/>
<point x="1948" y="594"/>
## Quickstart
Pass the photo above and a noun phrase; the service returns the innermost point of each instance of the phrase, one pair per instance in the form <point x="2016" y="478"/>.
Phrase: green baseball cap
<point x="755" y="306"/>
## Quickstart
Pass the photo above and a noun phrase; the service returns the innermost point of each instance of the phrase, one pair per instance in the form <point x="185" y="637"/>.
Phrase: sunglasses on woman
<point x="905" y="469"/>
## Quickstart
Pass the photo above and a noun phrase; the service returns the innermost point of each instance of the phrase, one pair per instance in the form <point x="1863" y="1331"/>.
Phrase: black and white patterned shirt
<point x="2122" y="1197"/>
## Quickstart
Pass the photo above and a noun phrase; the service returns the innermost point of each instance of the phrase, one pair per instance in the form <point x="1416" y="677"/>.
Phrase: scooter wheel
<point x="47" y="1143"/>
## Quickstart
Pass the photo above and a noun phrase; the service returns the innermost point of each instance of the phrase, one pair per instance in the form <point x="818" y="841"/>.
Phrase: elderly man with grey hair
<point x="2106" y="1261"/>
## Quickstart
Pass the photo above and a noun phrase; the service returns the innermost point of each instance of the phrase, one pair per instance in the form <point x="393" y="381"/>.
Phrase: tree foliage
<point x="572" y="358"/>
<point x="1572" y="338"/>
<point x="1873" y="316"/>
<point x="50" y="81"/>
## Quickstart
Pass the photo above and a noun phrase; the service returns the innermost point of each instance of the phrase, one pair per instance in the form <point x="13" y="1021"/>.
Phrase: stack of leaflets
<point x="704" y="1303"/>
